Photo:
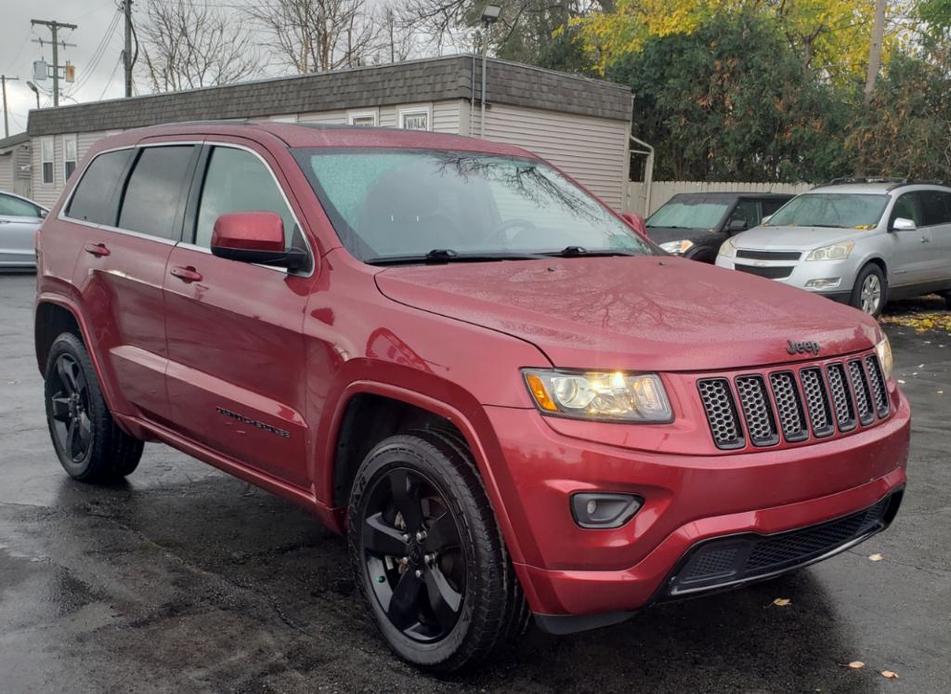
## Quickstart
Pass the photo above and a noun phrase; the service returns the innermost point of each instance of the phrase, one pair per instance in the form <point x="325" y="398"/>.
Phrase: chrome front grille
<point x="794" y="404"/>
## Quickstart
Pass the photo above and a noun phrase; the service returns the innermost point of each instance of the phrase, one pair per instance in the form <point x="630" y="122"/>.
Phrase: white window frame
<point x="357" y="115"/>
<point x="66" y="140"/>
<point x="286" y="118"/>
<point x="47" y="143"/>
<point x="416" y="111"/>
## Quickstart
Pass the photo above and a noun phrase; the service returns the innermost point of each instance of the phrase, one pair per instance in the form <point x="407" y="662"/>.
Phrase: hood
<point x="793" y="238"/>
<point x="646" y="313"/>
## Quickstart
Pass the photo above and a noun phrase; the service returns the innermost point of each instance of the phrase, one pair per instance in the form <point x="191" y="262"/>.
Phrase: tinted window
<point x="155" y="191"/>
<point x="14" y="207"/>
<point x="237" y="181"/>
<point x="746" y="211"/>
<point x="94" y="199"/>
<point x="770" y="206"/>
<point x="934" y="207"/>
<point x="907" y="207"/>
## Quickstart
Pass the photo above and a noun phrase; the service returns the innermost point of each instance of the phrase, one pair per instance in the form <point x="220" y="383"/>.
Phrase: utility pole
<point x="127" y="53"/>
<point x="3" y="82"/>
<point x="54" y="28"/>
<point x="875" y="50"/>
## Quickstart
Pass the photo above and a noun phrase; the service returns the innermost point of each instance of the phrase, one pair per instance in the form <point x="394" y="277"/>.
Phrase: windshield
<point x="838" y="210"/>
<point x="689" y="214"/>
<point x="388" y="204"/>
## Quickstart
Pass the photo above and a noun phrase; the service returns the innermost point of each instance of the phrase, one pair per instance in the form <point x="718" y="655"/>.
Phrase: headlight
<point x="837" y="251"/>
<point x="728" y="249"/>
<point x="884" y="350"/>
<point x="677" y="247"/>
<point x="607" y="396"/>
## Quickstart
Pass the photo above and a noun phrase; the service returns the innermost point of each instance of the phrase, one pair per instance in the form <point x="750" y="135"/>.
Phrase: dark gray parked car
<point x="695" y="225"/>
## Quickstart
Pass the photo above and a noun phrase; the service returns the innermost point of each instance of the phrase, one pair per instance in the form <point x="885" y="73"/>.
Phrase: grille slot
<point x="841" y="398"/>
<point x="721" y="413"/>
<point x="863" y="398"/>
<point x="769" y="255"/>
<point x="788" y="406"/>
<point x="817" y="401"/>
<point x="877" y="381"/>
<point x="770" y="272"/>
<point x="760" y="424"/>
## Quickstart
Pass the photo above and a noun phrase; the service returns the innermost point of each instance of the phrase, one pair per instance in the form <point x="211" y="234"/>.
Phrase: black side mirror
<point x="737" y="225"/>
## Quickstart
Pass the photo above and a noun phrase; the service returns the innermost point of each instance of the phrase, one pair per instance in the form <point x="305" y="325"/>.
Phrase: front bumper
<point x="689" y="500"/>
<point x="798" y="273"/>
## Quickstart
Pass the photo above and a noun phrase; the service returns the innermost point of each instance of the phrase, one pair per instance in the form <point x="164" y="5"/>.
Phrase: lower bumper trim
<point x="729" y="562"/>
<point x="561" y="624"/>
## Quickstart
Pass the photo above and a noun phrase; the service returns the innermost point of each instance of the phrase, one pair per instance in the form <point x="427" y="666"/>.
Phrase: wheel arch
<point x="411" y="408"/>
<point x="54" y="316"/>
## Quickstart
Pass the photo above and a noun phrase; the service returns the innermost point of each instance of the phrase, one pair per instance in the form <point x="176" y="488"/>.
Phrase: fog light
<point x="595" y="510"/>
<point x="824" y="283"/>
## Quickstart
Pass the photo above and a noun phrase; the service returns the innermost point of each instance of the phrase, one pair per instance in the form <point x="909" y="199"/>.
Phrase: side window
<point x="770" y="206"/>
<point x="934" y="208"/>
<point x="46" y="158"/>
<point x="15" y="207"/>
<point x="907" y="207"/>
<point x="95" y="199"/>
<point x="237" y="181"/>
<point x="69" y="156"/>
<point x="746" y="211"/>
<point x="155" y="192"/>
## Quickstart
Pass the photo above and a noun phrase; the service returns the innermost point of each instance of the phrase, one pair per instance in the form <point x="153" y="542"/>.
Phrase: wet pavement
<point x="184" y="579"/>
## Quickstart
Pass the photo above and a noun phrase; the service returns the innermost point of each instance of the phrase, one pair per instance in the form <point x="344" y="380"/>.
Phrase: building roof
<point x="431" y="79"/>
<point x="12" y="141"/>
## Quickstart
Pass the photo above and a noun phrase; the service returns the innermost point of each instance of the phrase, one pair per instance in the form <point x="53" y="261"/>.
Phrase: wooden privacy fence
<point x="662" y="191"/>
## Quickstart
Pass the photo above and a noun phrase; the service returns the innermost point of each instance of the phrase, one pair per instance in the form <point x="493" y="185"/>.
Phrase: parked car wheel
<point x="870" y="291"/>
<point x="90" y="445"/>
<point x="427" y="554"/>
<point x="947" y="298"/>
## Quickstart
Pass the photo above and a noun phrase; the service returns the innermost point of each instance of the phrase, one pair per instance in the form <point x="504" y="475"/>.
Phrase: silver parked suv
<point x="860" y="241"/>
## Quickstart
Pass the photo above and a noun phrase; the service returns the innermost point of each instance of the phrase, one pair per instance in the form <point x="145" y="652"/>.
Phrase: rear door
<point x="127" y="211"/>
<point x="909" y="251"/>
<point x="236" y="375"/>
<point x="19" y="220"/>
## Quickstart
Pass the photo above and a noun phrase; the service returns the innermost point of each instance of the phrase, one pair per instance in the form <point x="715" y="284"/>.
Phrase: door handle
<point x="97" y="249"/>
<point x="186" y="274"/>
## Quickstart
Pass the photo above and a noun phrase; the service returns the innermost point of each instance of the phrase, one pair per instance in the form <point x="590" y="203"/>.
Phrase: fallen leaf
<point x="889" y="675"/>
<point x="782" y="602"/>
<point x="856" y="665"/>
<point x="875" y="557"/>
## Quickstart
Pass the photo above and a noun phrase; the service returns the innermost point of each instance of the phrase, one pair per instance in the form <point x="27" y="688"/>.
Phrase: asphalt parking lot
<point x="184" y="579"/>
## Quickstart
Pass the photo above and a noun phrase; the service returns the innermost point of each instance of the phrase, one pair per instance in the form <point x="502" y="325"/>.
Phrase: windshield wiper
<point x="439" y="256"/>
<point x="580" y="251"/>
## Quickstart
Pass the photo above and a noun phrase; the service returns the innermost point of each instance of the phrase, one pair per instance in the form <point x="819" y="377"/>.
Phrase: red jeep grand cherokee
<point x="512" y="403"/>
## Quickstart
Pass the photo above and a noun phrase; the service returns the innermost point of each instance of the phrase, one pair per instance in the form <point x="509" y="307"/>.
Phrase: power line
<point x="111" y="77"/>
<point x="54" y="27"/>
<point x="98" y="54"/>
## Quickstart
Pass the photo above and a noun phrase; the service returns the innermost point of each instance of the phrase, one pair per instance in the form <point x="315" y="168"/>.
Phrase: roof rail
<point x="894" y="182"/>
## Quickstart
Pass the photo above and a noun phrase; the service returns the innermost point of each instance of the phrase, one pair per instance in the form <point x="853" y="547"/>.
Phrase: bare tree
<point x="315" y="35"/>
<point x="191" y="43"/>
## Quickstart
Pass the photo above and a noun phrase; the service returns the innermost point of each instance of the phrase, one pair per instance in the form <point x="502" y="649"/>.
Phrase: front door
<point x="909" y="251"/>
<point x="236" y="375"/>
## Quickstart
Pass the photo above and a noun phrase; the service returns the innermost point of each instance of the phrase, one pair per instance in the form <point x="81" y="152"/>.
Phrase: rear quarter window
<point x="95" y="199"/>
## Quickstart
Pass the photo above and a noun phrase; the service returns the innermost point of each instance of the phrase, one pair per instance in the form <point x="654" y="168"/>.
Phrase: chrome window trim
<point x="62" y="216"/>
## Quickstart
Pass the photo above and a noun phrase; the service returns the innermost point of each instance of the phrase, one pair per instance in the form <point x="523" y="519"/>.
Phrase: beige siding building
<point x="581" y="125"/>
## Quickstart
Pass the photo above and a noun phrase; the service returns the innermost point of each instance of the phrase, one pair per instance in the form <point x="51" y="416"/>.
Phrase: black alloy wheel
<point x="413" y="554"/>
<point x="69" y="408"/>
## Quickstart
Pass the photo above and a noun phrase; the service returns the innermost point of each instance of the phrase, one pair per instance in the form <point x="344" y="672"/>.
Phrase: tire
<point x="868" y="278"/>
<point x="947" y="299"/>
<point x="479" y="605"/>
<point x="98" y="450"/>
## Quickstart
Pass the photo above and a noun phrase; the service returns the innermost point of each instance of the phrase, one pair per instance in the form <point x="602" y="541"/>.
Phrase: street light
<point x="35" y="91"/>
<point x="490" y="15"/>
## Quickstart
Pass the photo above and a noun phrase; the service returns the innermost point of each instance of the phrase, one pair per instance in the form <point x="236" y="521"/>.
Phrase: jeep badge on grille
<point x="794" y="347"/>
